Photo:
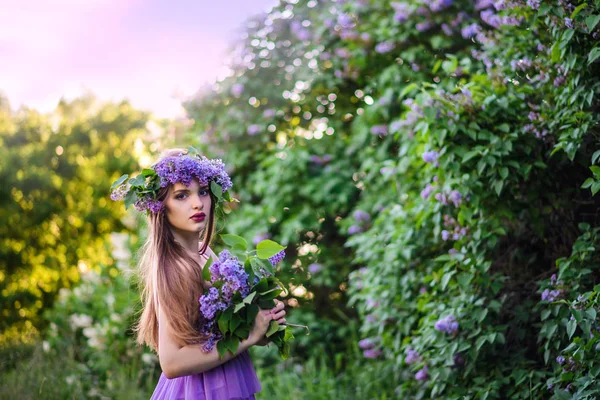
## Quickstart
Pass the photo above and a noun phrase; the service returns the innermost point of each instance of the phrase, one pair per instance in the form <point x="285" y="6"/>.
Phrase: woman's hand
<point x="262" y="321"/>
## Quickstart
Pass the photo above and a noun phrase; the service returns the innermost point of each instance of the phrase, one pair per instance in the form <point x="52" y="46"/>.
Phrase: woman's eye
<point x="203" y="192"/>
<point x="180" y="196"/>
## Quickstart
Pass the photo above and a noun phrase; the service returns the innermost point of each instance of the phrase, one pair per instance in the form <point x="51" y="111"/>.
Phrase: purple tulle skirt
<point x="234" y="379"/>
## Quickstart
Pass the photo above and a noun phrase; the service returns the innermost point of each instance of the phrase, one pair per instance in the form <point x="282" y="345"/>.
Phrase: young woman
<point x="181" y="222"/>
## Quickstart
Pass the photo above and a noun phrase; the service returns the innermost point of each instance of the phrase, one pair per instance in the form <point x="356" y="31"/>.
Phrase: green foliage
<point x="55" y="212"/>
<point x="418" y="173"/>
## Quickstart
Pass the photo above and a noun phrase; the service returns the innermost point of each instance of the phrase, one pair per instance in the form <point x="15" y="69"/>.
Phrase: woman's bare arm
<point x="176" y="361"/>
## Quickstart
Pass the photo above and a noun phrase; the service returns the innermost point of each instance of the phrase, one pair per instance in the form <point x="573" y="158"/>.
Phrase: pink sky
<point x="143" y="50"/>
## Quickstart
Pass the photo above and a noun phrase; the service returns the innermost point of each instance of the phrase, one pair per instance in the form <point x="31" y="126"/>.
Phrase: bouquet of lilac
<point x="229" y="307"/>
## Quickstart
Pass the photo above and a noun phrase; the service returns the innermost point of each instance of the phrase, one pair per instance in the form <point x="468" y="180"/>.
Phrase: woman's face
<point x="188" y="207"/>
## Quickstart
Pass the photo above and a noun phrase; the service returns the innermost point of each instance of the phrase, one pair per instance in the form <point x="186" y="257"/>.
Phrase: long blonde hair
<point x="170" y="276"/>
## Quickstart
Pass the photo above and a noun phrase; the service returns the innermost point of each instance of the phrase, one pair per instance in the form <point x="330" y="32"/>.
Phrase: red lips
<point x="198" y="217"/>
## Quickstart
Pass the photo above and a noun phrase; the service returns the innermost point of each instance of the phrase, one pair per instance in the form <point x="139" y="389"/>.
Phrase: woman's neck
<point x="188" y="240"/>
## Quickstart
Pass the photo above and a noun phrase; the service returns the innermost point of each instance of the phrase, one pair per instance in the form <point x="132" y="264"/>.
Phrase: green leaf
<point x="266" y="304"/>
<point x="578" y="10"/>
<point x="408" y="89"/>
<point x="571" y="326"/>
<point x="261" y="286"/>
<point x="595" y="156"/>
<point x="480" y="341"/>
<point x="206" y="271"/>
<point x="591" y="21"/>
<point x="268" y="248"/>
<point x="148" y="172"/>
<point x="594" y="54"/>
<point x="545" y="314"/>
<point x="470" y="155"/>
<point x="234" y="240"/>
<point x="251" y="313"/>
<point x="217" y="190"/>
<point x="236" y="320"/>
<point x="595" y="188"/>
<point x="446" y="279"/>
<point x="273" y="327"/>
<point x="238" y="307"/>
<point x="588" y="182"/>
<point x="498" y="187"/>
<point x="503" y="172"/>
<point x="119" y="181"/>
<point x="221" y="348"/>
<point x="224" y="321"/>
<point x="248" y="299"/>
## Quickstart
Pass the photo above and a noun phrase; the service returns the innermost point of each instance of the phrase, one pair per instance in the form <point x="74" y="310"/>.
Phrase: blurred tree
<point x="55" y="209"/>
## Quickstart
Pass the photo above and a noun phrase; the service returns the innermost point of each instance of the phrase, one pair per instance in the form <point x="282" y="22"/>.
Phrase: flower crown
<point x="142" y="190"/>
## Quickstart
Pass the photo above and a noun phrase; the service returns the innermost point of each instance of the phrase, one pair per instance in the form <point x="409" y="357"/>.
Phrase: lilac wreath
<point x="142" y="191"/>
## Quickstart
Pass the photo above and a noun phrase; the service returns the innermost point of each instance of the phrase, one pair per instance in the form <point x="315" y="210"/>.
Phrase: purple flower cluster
<point x="454" y="231"/>
<point x="369" y="348"/>
<point x="402" y="11"/>
<point x="447" y="324"/>
<point x="384" y="47"/>
<point x="277" y="258"/>
<point x="381" y="130"/>
<point x="422" y="374"/>
<point x="363" y="220"/>
<point x="230" y="272"/>
<point x="120" y="192"/>
<point x="146" y="203"/>
<point x="412" y="356"/>
<point x="431" y="157"/>
<point x="183" y="168"/>
<point x="315" y="268"/>
<point x="318" y="160"/>
<point x="554" y="294"/>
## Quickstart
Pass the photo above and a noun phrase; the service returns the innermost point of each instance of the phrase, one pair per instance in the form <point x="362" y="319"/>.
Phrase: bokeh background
<point x="431" y="166"/>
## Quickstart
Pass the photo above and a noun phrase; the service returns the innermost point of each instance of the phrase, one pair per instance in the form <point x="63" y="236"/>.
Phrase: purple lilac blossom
<point x="277" y="258"/>
<point x="452" y="251"/>
<point x="380" y="130"/>
<point x="447" y="30"/>
<point x="237" y="89"/>
<point x="412" y="356"/>
<point x="439" y="5"/>
<point x="182" y="169"/>
<point x="445" y="235"/>
<point x="384" y="47"/>
<point x="482" y="4"/>
<point x="569" y="23"/>
<point x="402" y="12"/>
<point x="342" y="52"/>
<point x="425" y="193"/>
<point x="120" y="192"/>
<point x="253" y="129"/>
<point x="269" y="113"/>
<point x="315" y="268"/>
<point x="423" y="26"/>
<point x="260" y="237"/>
<point x="551" y="295"/>
<point x="559" y="81"/>
<point x="345" y="20"/>
<point x="371" y="318"/>
<point x="366" y="344"/>
<point x="430" y="156"/>
<point x="442" y="198"/>
<point x="456" y="198"/>
<point x="470" y="30"/>
<point x="535" y="4"/>
<point x="422" y="374"/>
<point x="361" y="216"/>
<point x="372" y="353"/>
<point x="447" y="324"/>
<point x="560" y="360"/>
<point x="354" y="229"/>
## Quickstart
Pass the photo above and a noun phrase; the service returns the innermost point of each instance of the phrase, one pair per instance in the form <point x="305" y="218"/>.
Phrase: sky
<point x="152" y="52"/>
